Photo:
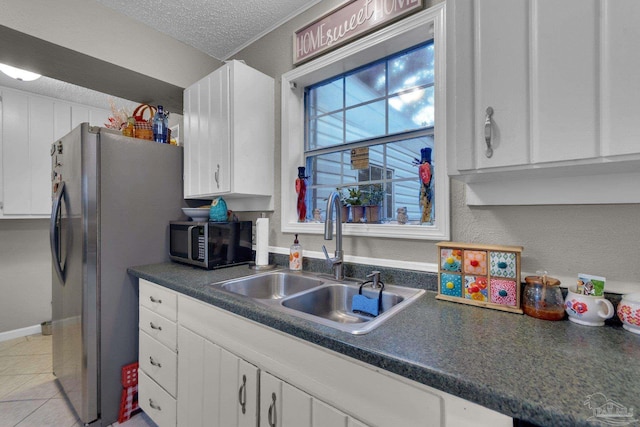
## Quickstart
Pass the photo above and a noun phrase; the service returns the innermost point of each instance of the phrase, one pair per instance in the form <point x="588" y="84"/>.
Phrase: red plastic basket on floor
<point x="130" y="375"/>
<point x="128" y="403"/>
<point x="129" y="398"/>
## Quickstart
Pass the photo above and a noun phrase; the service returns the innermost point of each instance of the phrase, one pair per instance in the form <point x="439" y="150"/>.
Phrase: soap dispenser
<point x="295" y="256"/>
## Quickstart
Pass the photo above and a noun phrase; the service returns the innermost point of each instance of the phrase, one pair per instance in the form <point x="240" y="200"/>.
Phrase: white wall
<point x="95" y="30"/>
<point x="25" y="273"/>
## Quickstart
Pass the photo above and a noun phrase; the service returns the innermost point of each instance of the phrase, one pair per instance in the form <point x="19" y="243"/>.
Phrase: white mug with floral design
<point x="629" y="312"/>
<point x="588" y="309"/>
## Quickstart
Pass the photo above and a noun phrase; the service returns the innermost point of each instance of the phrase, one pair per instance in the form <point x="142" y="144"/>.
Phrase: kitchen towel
<point x="262" y="241"/>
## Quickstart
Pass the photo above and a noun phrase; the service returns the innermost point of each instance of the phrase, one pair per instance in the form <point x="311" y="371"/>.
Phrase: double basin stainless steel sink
<point x="321" y="300"/>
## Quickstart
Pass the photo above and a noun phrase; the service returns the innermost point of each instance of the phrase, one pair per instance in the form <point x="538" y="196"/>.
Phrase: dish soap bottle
<point x="295" y="256"/>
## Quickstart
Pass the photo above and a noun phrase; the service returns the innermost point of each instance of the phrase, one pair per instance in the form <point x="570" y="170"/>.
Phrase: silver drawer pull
<point x="273" y="416"/>
<point x="154" y="363"/>
<point x="157" y="328"/>
<point x="242" y="394"/>
<point x="154" y="406"/>
<point x="488" y="132"/>
<point x="159" y="301"/>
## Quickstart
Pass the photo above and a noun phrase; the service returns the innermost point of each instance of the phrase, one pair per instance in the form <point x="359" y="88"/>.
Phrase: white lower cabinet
<point x="215" y="387"/>
<point x="157" y="358"/>
<point x="234" y="372"/>
<point x="283" y="405"/>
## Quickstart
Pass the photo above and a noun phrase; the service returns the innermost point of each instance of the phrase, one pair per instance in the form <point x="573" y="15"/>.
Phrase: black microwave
<point x="211" y="244"/>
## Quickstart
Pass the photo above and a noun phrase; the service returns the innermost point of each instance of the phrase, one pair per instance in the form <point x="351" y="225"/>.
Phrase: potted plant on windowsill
<point x="373" y="197"/>
<point x="355" y="201"/>
<point x="345" y="204"/>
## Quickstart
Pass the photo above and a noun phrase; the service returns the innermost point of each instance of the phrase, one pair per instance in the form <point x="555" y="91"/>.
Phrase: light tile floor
<point x="29" y="395"/>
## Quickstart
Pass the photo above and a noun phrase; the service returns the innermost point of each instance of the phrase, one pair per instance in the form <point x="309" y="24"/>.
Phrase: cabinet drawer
<point x="158" y="327"/>
<point x="156" y="402"/>
<point x="159" y="362"/>
<point x="158" y="299"/>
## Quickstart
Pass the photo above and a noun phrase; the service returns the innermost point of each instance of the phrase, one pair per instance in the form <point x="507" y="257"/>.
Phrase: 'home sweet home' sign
<point x="348" y="21"/>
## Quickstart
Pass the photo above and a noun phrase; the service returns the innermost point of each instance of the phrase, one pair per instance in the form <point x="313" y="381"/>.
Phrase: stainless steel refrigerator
<point x="113" y="198"/>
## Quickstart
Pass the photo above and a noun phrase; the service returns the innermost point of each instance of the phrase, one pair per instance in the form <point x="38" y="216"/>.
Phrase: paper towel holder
<point x="253" y="265"/>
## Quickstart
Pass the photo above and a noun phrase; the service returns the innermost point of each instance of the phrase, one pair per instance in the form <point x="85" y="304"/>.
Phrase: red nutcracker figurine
<point x="426" y="191"/>
<point x="301" y="189"/>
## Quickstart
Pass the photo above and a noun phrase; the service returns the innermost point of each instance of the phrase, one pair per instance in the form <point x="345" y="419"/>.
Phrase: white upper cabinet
<point x="29" y="125"/>
<point x="620" y="84"/>
<point x="229" y="137"/>
<point x="560" y="81"/>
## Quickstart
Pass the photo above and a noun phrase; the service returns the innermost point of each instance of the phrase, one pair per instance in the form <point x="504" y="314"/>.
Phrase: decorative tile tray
<point x="481" y="275"/>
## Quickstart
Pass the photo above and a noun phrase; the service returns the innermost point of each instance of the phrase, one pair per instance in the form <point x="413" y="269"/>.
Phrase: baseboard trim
<point x="23" y="332"/>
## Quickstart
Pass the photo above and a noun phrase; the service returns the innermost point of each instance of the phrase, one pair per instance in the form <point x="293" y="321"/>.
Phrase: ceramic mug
<point x="629" y="312"/>
<point x="587" y="309"/>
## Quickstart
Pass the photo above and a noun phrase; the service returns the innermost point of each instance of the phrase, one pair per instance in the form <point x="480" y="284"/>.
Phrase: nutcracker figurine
<point x="426" y="187"/>
<point x="301" y="189"/>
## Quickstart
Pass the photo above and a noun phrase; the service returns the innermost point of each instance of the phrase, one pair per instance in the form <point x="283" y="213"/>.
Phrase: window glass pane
<point x="366" y="121"/>
<point x="325" y="98"/>
<point x="392" y="165"/>
<point x="406" y="194"/>
<point x="411" y="110"/>
<point x="325" y="131"/>
<point x="403" y="156"/>
<point x="384" y="99"/>
<point x="411" y="70"/>
<point x="365" y="85"/>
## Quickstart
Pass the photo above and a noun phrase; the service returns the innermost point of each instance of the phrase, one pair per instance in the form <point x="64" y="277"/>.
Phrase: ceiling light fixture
<point x="19" y="74"/>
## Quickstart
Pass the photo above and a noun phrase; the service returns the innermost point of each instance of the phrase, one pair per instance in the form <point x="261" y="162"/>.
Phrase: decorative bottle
<point x="160" y="126"/>
<point x="295" y="256"/>
<point x="301" y="189"/>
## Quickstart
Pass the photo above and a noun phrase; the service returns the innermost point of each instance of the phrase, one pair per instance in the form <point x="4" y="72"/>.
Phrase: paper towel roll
<point x="262" y="241"/>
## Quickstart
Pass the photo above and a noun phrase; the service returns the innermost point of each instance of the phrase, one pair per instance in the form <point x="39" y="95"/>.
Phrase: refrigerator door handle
<point x="54" y="231"/>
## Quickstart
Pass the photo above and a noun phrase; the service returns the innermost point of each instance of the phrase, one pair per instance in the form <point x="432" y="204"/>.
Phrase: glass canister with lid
<point x="542" y="297"/>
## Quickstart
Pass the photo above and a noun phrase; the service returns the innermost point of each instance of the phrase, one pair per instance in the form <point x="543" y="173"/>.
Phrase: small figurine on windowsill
<point x="402" y="216"/>
<point x="317" y="217"/>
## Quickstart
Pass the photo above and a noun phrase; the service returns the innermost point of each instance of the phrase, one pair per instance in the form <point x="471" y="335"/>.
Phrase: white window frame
<point x="411" y="31"/>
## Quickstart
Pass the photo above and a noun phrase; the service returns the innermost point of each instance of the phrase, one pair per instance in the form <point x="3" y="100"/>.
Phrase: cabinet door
<point x="620" y="83"/>
<point x="27" y="135"/>
<point x="215" y="387"/>
<point x="565" y="79"/>
<point x="194" y="399"/>
<point x="247" y="387"/>
<point x="502" y="81"/>
<point x="282" y="405"/>
<point x="206" y="136"/>
<point x="324" y="415"/>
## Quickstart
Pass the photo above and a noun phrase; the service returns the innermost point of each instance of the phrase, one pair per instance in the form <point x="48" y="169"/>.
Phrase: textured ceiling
<point x="219" y="28"/>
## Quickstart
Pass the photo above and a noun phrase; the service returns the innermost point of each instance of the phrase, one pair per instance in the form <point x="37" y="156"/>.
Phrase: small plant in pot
<point x="373" y="197"/>
<point x="355" y="200"/>
<point x="345" y="204"/>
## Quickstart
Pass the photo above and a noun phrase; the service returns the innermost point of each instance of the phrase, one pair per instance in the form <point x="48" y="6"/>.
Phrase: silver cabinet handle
<point x="273" y="416"/>
<point x="159" y="301"/>
<point x="157" y="328"/>
<point x="487" y="132"/>
<point x="217" y="176"/>
<point x="154" y="406"/>
<point x="242" y="394"/>
<point x="154" y="363"/>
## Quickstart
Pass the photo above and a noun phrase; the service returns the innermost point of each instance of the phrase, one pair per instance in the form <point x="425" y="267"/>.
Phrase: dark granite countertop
<point x="534" y="370"/>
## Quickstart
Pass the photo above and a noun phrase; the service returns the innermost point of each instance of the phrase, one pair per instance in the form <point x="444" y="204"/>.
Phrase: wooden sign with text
<point x="348" y="21"/>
